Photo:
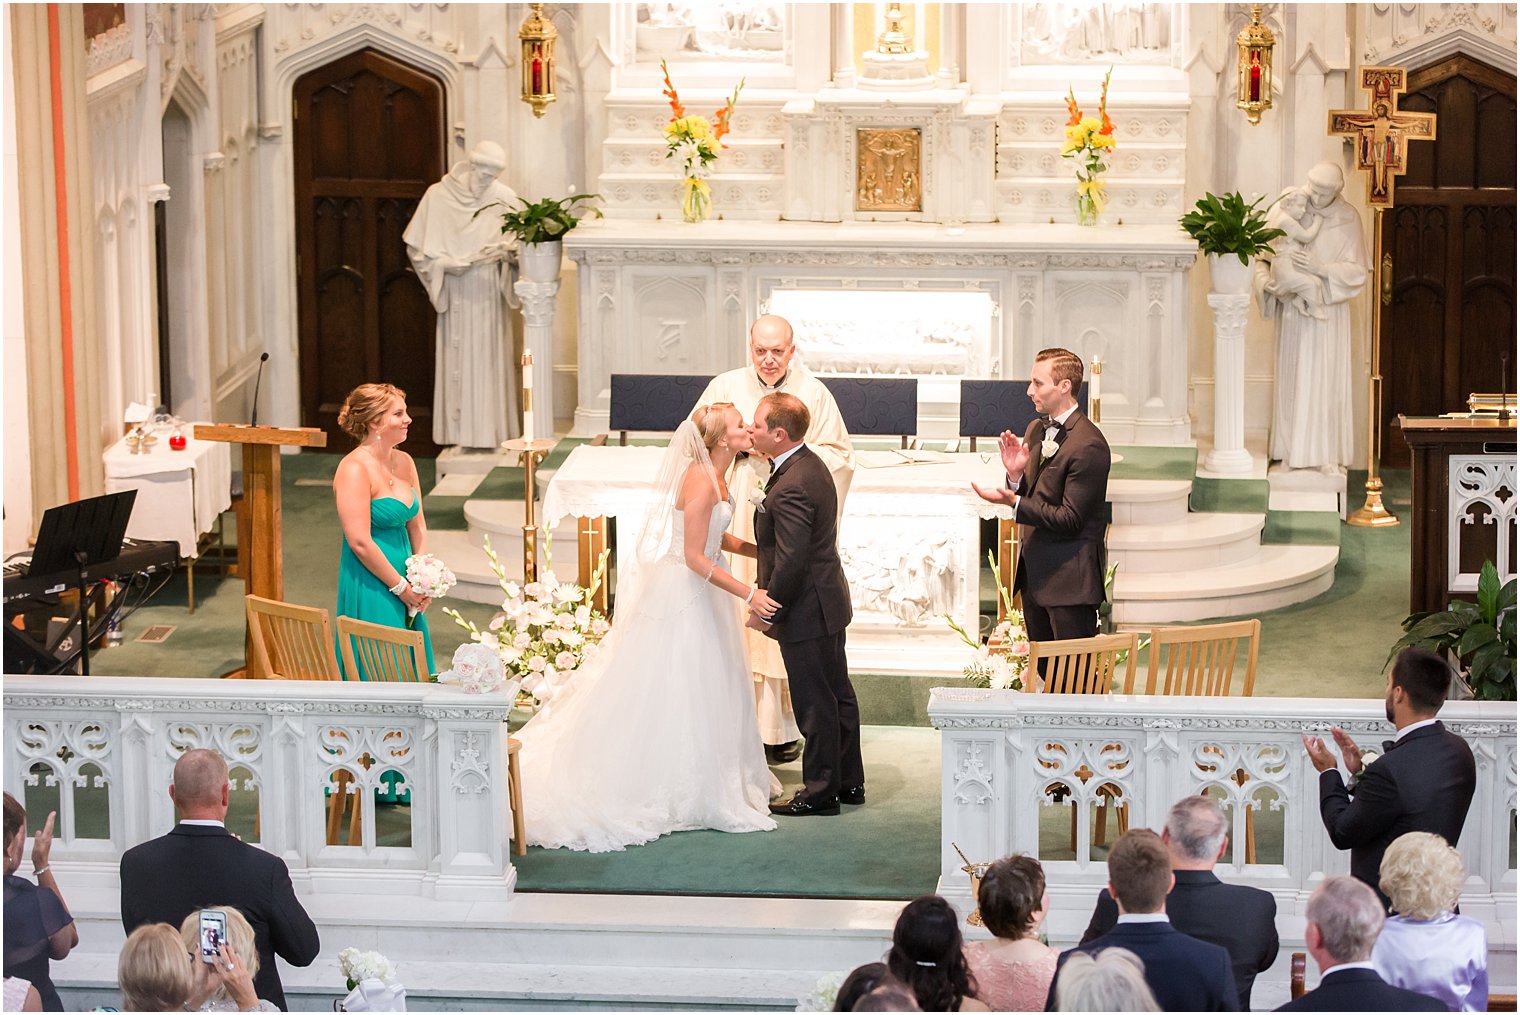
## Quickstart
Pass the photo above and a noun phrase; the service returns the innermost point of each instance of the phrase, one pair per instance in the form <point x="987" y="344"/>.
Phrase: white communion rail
<point x="101" y="751"/>
<point x="1013" y="764"/>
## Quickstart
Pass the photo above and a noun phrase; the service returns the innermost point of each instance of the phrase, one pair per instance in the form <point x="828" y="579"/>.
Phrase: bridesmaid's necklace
<point x="390" y="472"/>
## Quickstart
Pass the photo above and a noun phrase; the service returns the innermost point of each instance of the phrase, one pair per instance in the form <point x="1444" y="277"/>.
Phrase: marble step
<point x="1149" y="501"/>
<point x="1274" y="577"/>
<point x="1196" y="541"/>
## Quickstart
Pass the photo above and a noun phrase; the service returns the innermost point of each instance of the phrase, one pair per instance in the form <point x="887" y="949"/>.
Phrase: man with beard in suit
<point x="1057" y="486"/>
<point x="1422" y="782"/>
<point x="797" y="544"/>
<point x="202" y="864"/>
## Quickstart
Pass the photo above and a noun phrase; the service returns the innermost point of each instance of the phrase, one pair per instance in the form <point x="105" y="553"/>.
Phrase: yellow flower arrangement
<point x="1088" y="138"/>
<point x="695" y="140"/>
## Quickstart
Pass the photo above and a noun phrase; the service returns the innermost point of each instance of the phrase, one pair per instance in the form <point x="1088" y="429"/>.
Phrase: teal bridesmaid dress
<point x="361" y="595"/>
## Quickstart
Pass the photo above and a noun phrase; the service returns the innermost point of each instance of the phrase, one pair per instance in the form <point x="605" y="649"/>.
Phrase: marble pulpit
<point x="905" y="298"/>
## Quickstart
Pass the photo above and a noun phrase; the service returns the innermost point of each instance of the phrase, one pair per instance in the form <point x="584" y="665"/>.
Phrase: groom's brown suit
<point x="796" y="538"/>
<point x="1061" y="519"/>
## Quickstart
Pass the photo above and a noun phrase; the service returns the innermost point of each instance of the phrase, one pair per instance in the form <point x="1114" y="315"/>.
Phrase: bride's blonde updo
<point x="363" y="406"/>
<point x="711" y="424"/>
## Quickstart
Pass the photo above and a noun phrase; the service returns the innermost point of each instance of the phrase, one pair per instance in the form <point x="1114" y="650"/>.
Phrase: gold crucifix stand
<point x="1382" y="134"/>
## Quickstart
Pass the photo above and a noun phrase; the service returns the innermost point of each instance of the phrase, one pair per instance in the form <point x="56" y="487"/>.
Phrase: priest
<point x="772" y="369"/>
<point x="456" y="246"/>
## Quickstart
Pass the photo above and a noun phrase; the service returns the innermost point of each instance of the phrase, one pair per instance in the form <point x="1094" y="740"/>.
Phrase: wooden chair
<point x="291" y="642"/>
<point x="1084" y="665"/>
<point x="1501" y="1002"/>
<point x="1087" y="666"/>
<point x="1298" y="964"/>
<point x="1200" y="661"/>
<point x="381" y="652"/>
<point x="514" y="794"/>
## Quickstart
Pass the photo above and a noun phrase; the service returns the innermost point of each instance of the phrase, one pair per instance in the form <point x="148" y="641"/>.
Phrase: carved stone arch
<point x="1456" y="42"/>
<point x="352" y="40"/>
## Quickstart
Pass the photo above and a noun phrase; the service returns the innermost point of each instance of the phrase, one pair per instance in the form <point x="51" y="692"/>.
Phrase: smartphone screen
<point x="213" y="934"/>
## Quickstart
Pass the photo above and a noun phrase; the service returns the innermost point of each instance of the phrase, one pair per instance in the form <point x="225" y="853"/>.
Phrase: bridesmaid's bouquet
<point x="428" y="576"/>
<point x="546" y="629"/>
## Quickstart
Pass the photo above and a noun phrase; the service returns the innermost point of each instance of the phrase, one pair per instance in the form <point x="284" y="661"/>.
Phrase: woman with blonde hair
<point x="379" y="499"/>
<point x="156" y="973"/>
<point x="1427" y="947"/>
<point x="1111" y="980"/>
<point x="669" y="685"/>
<point x="232" y="994"/>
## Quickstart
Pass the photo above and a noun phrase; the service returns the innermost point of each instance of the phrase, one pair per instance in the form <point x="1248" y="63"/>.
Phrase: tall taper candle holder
<point x="533" y="452"/>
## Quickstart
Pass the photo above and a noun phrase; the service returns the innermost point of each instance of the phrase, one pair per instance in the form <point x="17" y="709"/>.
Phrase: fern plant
<point x="1227" y="225"/>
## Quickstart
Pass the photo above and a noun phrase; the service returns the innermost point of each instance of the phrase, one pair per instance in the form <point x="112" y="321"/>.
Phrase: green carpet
<point x="1306" y="528"/>
<point x="1243" y="496"/>
<point x="886" y="849"/>
<point x="1153" y="463"/>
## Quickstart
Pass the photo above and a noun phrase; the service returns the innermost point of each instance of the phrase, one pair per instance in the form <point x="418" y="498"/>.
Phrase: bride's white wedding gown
<point x="657" y="733"/>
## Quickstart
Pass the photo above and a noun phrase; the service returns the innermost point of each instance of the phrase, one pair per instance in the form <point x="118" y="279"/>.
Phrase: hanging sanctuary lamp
<point x="1253" y="88"/>
<point x="537" y="35"/>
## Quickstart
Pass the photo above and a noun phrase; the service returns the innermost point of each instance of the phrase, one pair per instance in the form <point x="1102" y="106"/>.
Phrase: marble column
<point x="538" y="300"/>
<point x="1229" y="455"/>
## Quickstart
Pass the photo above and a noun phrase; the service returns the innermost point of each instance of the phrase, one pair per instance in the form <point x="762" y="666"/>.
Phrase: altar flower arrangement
<point x="357" y="966"/>
<point x="695" y="141"/>
<point x="546" y="628"/>
<point x="428" y="576"/>
<point x="1000" y="661"/>
<point x="1088" y="139"/>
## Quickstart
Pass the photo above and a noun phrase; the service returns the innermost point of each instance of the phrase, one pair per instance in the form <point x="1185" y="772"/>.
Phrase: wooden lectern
<point x="261" y="556"/>
<point x="1462" y="477"/>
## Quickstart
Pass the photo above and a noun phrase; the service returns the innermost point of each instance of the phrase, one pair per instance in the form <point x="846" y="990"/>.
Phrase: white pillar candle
<point x="1097" y="372"/>
<point x="527" y="384"/>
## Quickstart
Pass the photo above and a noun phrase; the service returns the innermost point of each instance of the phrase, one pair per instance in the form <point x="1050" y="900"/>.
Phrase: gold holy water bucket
<point x="974" y="871"/>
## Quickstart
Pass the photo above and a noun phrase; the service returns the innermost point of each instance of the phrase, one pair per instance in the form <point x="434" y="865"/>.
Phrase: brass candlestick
<point x="1373" y="513"/>
<point x="533" y="452"/>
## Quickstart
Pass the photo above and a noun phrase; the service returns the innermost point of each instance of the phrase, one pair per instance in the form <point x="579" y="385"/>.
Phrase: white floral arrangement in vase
<point x="546" y="630"/>
<point x="1000" y="661"/>
<point x="358" y="966"/>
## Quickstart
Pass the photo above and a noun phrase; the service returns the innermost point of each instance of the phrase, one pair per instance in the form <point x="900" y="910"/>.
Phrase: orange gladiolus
<point x="677" y="109"/>
<point x="1071" y="107"/>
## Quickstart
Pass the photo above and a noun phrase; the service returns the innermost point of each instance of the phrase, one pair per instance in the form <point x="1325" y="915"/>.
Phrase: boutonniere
<point x="757" y="496"/>
<point x="1048" y="449"/>
<point x="1368" y="757"/>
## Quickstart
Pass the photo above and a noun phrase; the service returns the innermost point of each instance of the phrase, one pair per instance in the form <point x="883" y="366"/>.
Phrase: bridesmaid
<point x="380" y="508"/>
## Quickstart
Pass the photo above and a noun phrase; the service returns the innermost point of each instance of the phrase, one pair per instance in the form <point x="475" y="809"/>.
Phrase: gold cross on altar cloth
<point x="1382" y="132"/>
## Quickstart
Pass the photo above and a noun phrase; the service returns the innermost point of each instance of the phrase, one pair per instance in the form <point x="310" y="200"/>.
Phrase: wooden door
<point x="369" y="141"/>
<point x="1451" y="318"/>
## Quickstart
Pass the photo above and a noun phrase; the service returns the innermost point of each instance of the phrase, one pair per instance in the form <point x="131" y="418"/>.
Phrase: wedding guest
<point x="1013" y="971"/>
<point x="1427" y="947"/>
<point x="38" y="926"/>
<point x="861" y="981"/>
<point x="1112" y="980"/>
<point x="890" y="995"/>
<point x="1343" y="920"/>
<point x="1422" y="782"/>
<point x="927" y="954"/>
<point x="1240" y="919"/>
<point x="238" y="994"/>
<point x="21" y="995"/>
<point x="166" y="878"/>
<point x="152" y="972"/>
<point x="1184" y="973"/>
<point x="379" y="499"/>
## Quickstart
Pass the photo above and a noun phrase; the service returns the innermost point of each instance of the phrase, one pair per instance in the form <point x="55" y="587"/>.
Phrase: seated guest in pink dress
<point x="1013" y="971"/>
<point x="1426" y="947"/>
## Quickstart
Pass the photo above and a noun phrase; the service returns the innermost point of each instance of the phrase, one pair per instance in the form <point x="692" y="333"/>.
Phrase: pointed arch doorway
<point x="369" y="141"/>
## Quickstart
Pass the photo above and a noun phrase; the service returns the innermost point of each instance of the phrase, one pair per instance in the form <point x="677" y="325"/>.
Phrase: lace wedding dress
<point x="657" y="733"/>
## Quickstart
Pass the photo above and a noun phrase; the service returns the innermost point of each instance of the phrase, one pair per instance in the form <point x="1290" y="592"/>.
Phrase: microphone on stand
<point x="258" y="379"/>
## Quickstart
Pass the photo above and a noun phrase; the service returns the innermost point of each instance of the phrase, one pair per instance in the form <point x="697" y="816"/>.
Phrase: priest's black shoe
<point x="800" y="807"/>
<point x="781" y="754"/>
<point x="852" y="795"/>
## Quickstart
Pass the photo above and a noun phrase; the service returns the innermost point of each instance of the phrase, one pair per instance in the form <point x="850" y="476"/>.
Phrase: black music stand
<point x="75" y="536"/>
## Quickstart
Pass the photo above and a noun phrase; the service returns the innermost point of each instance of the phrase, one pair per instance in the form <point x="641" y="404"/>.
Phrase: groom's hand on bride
<point x="754" y="620"/>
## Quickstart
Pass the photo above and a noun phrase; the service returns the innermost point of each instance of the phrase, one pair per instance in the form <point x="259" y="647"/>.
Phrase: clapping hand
<point x="1350" y="753"/>
<point x="1319" y="755"/>
<point x="42" y="843"/>
<point x="1015" y="455"/>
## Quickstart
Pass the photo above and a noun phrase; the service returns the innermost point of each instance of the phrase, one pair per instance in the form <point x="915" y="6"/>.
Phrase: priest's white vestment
<point x="474" y="405"/>
<point x="830" y="440"/>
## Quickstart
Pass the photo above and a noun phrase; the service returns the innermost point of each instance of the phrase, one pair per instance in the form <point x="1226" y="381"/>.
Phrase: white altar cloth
<point x="180" y="494"/>
<point x="909" y="541"/>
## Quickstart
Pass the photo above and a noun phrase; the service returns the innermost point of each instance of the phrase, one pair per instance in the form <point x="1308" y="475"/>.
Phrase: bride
<point x="657" y="732"/>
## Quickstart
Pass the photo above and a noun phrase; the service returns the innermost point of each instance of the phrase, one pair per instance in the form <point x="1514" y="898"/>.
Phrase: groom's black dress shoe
<point x="800" y="807"/>
<point x="781" y="754"/>
<point x="852" y="795"/>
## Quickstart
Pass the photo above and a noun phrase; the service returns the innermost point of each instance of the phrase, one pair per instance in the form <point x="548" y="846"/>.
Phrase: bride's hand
<point x="763" y="605"/>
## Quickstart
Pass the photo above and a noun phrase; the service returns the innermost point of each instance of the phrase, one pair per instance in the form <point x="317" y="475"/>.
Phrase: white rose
<point x="1048" y="448"/>
<point x="757" y="497"/>
<point x="537" y="664"/>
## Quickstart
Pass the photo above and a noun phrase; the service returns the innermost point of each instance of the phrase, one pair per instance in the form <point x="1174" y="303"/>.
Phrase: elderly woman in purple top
<point x="1427" y="947"/>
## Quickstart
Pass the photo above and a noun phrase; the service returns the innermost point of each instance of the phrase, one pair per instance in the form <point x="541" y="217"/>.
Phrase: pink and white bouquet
<point x="546" y="628"/>
<point x="477" y="669"/>
<point x="428" y="576"/>
<point x="999" y="662"/>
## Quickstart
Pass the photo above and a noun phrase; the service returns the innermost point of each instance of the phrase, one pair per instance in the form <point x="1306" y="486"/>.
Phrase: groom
<point x="796" y="536"/>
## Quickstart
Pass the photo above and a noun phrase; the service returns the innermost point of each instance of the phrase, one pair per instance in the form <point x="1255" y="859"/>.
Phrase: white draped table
<point x="909" y="540"/>
<point x="180" y="494"/>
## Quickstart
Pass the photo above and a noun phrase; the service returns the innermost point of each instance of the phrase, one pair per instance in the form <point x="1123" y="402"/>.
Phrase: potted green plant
<point x="540" y="226"/>
<point x="1224" y="226"/>
<point x="1480" y="635"/>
